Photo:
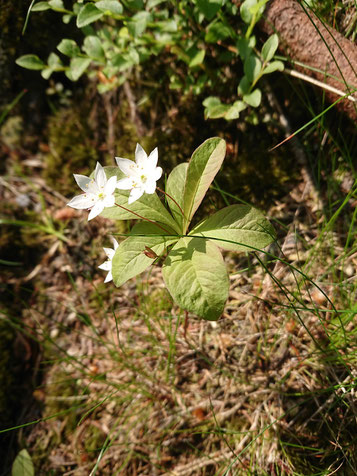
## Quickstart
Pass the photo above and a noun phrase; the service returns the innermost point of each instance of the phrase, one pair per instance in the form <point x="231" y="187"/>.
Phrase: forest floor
<point x="115" y="386"/>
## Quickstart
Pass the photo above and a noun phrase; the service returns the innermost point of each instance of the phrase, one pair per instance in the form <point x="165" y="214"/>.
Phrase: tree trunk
<point x="307" y="40"/>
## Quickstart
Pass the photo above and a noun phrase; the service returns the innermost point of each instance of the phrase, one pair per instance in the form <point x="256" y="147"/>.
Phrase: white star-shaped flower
<point x="141" y="175"/>
<point x="107" y="265"/>
<point x="98" y="192"/>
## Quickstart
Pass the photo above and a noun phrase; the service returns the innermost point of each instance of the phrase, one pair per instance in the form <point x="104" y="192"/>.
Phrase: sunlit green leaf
<point x="130" y="260"/>
<point x="243" y="225"/>
<point x="174" y="187"/>
<point x="148" y="206"/>
<point x="270" y="47"/>
<point x="23" y="465"/>
<point x="196" y="277"/>
<point x="202" y="168"/>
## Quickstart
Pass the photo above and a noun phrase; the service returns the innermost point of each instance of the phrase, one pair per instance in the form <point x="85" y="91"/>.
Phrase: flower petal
<point x="156" y="174"/>
<point x="81" y="202"/>
<point x="110" y="186"/>
<point x="126" y="166"/>
<point x="109" y="201"/>
<point x="125" y="184"/>
<point x="106" y="266"/>
<point x="82" y="181"/>
<point x="100" y="176"/>
<point x="115" y="243"/>
<point x="109" y="252"/>
<point x="140" y="155"/>
<point x="153" y="157"/>
<point x="150" y="187"/>
<point x="96" y="210"/>
<point x="135" y="194"/>
<point x="109" y="277"/>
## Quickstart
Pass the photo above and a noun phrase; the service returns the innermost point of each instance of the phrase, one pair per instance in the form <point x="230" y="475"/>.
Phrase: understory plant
<point x="192" y="264"/>
<point x="202" y="45"/>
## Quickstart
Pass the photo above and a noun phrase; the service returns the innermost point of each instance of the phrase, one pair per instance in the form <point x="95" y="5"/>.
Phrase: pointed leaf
<point x="129" y="259"/>
<point x="273" y="66"/>
<point x="78" y="66"/>
<point x="30" y="62"/>
<point x="202" y="168"/>
<point x="270" y="47"/>
<point x="148" y="206"/>
<point x="88" y="14"/>
<point x="174" y="187"/>
<point x="196" y="277"/>
<point x="23" y="465"/>
<point x="252" y="68"/>
<point x="242" y="224"/>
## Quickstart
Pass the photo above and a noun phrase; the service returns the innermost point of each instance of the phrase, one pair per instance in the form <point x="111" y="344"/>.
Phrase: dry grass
<point x="267" y="390"/>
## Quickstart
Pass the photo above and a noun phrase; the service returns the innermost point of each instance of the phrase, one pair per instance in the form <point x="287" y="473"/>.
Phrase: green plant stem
<point x="165" y="193"/>
<point x="143" y="218"/>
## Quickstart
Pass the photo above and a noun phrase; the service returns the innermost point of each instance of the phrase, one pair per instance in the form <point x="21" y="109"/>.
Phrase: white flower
<point x="141" y="175"/>
<point x="107" y="265"/>
<point x="99" y="192"/>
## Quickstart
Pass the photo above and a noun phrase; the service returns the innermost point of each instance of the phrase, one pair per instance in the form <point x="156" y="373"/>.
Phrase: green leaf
<point x="197" y="58"/>
<point x="252" y="68"/>
<point x="138" y="23"/>
<point x="234" y="110"/>
<point x="68" y="48"/>
<point x="93" y="47"/>
<point x="23" y="465"/>
<point x="40" y="7"/>
<point x="129" y="259"/>
<point x="56" y="4"/>
<point x="148" y="206"/>
<point x="254" y="98"/>
<point x="30" y="62"/>
<point x="88" y="14"/>
<point x="174" y="187"/>
<point x="54" y="60"/>
<point x="110" y="6"/>
<point x="209" y="8"/>
<point x="134" y="4"/>
<point x="217" y="31"/>
<point x="245" y="46"/>
<point x="270" y="47"/>
<point x="274" y="66"/>
<point x="251" y="10"/>
<point x="46" y="73"/>
<point x="196" y="277"/>
<point x="78" y="66"/>
<point x="211" y="101"/>
<point x="244" y="86"/>
<point x="244" y="225"/>
<point x="202" y="168"/>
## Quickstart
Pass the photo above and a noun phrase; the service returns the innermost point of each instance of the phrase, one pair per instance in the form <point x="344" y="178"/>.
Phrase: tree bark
<point x="304" y="38"/>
